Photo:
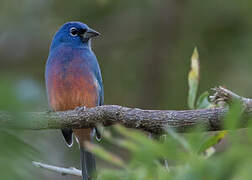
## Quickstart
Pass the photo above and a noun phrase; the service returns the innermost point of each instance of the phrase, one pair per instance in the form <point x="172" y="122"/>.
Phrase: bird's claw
<point x="80" y="108"/>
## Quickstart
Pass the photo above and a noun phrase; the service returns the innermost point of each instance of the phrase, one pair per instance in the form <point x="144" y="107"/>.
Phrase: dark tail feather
<point x="68" y="136"/>
<point x="97" y="134"/>
<point x="88" y="164"/>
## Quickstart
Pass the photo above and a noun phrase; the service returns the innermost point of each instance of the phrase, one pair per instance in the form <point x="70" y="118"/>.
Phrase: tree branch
<point x="62" y="171"/>
<point x="154" y="121"/>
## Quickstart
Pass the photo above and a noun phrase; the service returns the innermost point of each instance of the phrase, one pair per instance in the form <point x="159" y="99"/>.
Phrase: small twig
<point x="62" y="171"/>
<point x="222" y="94"/>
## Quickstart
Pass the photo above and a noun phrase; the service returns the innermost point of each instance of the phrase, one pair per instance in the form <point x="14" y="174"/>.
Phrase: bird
<point x="73" y="79"/>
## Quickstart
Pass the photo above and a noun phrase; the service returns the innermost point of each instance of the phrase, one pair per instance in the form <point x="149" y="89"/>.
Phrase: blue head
<point x="75" y="34"/>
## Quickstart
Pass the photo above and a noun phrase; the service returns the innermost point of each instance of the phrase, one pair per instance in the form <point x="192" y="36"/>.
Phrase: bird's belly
<point x="71" y="92"/>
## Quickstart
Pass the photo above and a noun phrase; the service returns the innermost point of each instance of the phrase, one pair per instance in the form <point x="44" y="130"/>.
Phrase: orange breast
<point x="71" y="87"/>
<point x="65" y="95"/>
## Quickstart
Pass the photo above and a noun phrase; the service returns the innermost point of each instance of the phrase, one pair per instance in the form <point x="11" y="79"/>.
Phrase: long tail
<point x="87" y="158"/>
<point x="88" y="164"/>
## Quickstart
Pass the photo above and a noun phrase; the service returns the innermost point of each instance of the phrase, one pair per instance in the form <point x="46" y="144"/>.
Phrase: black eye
<point x="73" y="31"/>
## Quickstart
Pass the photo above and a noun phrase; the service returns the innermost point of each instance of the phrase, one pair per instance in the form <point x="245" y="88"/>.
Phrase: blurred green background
<point x="144" y="53"/>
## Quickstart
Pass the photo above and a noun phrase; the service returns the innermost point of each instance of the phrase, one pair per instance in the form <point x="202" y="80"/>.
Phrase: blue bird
<point x="73" y="79"/>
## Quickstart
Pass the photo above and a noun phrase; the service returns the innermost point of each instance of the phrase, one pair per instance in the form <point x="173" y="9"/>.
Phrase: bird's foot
<point x="80" y="108"/>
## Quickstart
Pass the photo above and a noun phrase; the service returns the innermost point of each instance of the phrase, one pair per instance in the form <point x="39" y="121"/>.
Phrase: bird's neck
<point x="85" y="45"/>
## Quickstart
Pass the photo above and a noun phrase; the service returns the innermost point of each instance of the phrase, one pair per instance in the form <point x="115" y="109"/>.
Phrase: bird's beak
<point x="91" y="33"/>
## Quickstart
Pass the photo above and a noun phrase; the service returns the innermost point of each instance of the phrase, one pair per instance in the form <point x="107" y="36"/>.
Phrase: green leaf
<point x="202" y="102"/>
<point x="193" y="79"/>
<point x="180" y="139"/>
<point x="104" y="154"/>
<point x="233" y="116"/>
<point x="138" y="139"/>
<point x="211" y="141"/>
<point x="16" y="156"/>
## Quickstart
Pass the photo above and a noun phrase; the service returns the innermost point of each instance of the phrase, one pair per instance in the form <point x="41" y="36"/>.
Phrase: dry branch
<point x="62" y="171"/>
<point x="154" y="121"/>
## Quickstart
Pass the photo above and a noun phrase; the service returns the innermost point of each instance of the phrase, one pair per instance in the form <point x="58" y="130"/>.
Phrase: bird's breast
<point x="70" y="83"/>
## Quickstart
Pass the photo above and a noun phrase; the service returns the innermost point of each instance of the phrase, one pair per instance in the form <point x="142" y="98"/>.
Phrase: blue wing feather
<point x="98" y="76"/>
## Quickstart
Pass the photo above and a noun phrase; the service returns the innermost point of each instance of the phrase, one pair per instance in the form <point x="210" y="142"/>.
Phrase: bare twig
<point x="154" y="121"/>
<point x="62" y="171"/>
<point x="222" y="94"/>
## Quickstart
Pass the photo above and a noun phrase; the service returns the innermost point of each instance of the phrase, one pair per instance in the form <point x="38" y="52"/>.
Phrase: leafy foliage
<point x="15" y="157"/>
<point x="190" y="156"/>
<point x="15" y="154"/>
<point x="185" y="159"/>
